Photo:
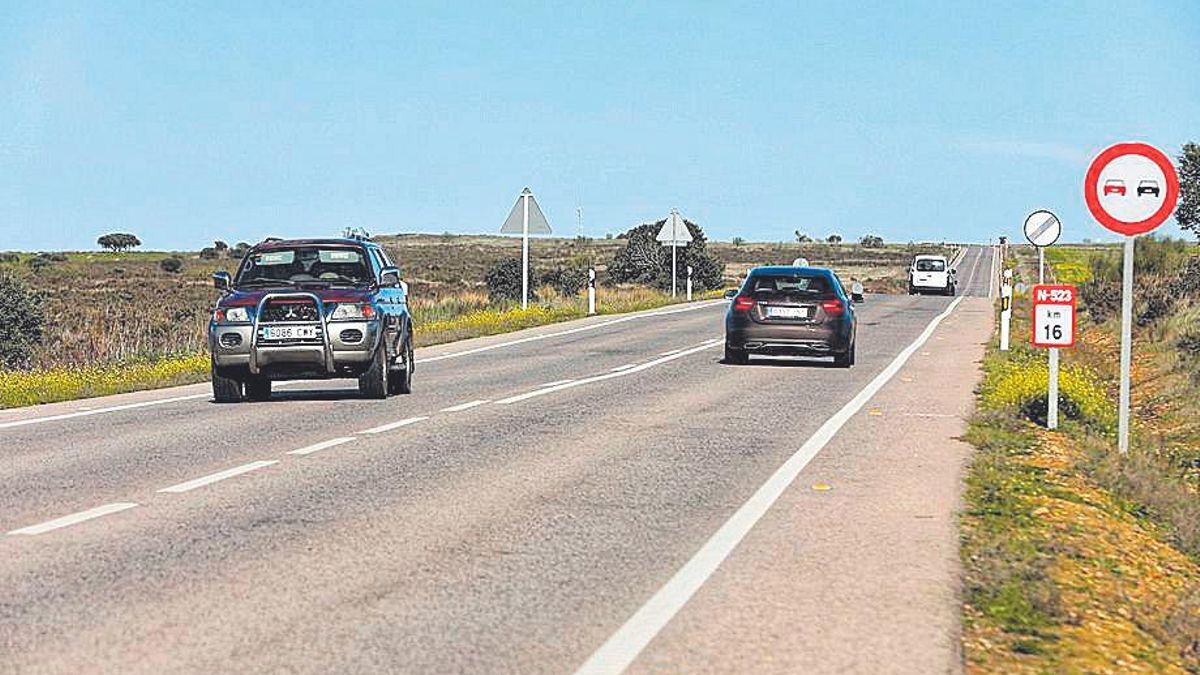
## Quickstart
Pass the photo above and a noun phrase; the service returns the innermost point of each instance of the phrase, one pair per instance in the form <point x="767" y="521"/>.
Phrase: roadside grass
<point x="1077" y="559"/>
<point x="437" y="322"/>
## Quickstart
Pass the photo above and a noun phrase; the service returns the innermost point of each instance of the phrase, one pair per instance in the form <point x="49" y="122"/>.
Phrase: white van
<point x="931" y="274"/>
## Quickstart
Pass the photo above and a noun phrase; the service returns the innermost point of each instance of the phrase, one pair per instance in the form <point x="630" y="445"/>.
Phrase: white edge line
<point x="627" y="366"/>
<point x="465" y="406"/>
<point x="394" y="425"/>
<point x="74" y="518"/>
<point x="673" y="351"/>
<point x="556" y="383"/>
<point x="624" y="646"/>
<point x="308" y="450"/>
<point x="219" y="476"/>
<point x="607" y="376"/>
<point x="98" y="411"/>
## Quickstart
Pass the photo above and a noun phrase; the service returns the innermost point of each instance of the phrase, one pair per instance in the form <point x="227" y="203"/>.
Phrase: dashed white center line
<point x="394" y="425"/>
<point x="465" y="406"/>
<point x="627" y="366"/>
<point x="321" y="446"/>
<point x="75" y="518"/>
<point x="219" y="476"/>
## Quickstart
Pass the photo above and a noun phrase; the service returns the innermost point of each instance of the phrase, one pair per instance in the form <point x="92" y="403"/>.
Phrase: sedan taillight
<point x="743" y="303"/>
<point x="833" y="307"/>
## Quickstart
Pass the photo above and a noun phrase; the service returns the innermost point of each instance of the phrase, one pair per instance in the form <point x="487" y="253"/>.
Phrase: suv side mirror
<point x="222" y="281"/>
<point x="730" y="293"/>
<point x="389" y="277"/>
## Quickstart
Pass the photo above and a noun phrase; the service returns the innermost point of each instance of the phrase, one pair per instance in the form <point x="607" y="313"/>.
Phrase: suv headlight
<point x="351" y="311"/>
<point x="233" y="315"/>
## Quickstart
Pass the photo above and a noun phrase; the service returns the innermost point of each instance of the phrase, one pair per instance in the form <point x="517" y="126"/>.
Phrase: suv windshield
<point x="931" y="266"/>
<point x="808" y="286"/>
<point x="305" y="265"/>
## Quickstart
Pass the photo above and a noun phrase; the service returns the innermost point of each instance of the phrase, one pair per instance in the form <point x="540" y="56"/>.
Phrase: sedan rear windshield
<point x="791" y="286"/>
<point x="931" y="265"/>
<point x="304" y="266"/>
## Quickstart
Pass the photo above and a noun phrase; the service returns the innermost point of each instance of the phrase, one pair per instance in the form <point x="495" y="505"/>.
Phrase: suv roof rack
<point x="356" y="233"/>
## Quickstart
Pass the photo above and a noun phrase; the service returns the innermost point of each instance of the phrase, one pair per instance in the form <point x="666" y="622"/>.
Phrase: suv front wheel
<point x="400" y="381"/>
<point x="225" y="389"/>
<point x="374" y="383"/>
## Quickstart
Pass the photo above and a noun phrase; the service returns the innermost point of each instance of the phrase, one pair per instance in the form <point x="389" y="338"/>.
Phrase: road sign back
<point x="1042" y="228"/>
<point x="674" y="232"/>
<point x="537" y="220"/>
<point x="1131" y="188"/>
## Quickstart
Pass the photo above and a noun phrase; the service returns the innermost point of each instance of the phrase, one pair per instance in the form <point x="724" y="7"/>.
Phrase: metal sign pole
<point x="525" y="256"/>
<point x="1052" y="387"/>
<point x="673" y="265"/>
<point x="1126" y="347"/>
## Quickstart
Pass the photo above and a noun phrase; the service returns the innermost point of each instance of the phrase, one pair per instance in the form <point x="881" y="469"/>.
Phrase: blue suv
<point x="311" y="309"/>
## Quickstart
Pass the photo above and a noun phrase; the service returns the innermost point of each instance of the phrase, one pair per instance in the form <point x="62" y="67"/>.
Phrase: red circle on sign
<point x="1091" y="196"/>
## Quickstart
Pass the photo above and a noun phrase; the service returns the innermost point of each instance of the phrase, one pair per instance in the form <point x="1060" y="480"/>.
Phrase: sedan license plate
<point x="289" y="332"/>
<point x="787" y="312"/>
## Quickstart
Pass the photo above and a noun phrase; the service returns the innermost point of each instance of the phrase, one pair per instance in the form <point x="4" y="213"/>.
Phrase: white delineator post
<point x="689" y="283"/>
<point x="1006" y="295"/>
<point x="1126" y="347"/>
<point x="525" y="254"/>
<point x="591" y="291"/>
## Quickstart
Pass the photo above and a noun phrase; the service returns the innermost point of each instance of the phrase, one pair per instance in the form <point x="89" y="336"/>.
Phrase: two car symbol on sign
<point x="1116" y="186"/>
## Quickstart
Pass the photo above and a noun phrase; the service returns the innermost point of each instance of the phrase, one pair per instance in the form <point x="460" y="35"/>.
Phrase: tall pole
<point x="673" y="247"/>
<point x="1126" y="347"/>
<point x="525" y="255"/>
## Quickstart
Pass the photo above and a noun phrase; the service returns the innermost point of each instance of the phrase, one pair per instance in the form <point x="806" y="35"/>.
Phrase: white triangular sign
<point x="537" y="220"/>
<point x="674" y="232"/>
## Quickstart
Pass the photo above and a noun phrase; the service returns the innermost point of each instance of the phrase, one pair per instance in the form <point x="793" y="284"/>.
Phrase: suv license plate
<point x="289" y="332"/>
<point x="788" y="312"/>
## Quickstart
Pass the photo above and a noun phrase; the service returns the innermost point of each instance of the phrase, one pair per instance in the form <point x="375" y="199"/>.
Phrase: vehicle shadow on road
<point x="312" y="395"/>
<point x="780" y="362"/>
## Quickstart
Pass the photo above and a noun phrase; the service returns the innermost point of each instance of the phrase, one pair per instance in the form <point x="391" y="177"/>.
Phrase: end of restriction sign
<point x="1053" y="315"/>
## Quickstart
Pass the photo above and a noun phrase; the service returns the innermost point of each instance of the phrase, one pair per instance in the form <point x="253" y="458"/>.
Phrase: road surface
<point x="537" y="492"/>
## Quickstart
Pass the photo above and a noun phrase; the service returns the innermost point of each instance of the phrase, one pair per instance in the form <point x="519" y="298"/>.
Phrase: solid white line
<point x="620" y="650"/>
<point x="75" y="518"/>
<point x="607" y="376"/>
<point x="98" y="411"/>
<point x="465" y="406"/>
<point x="219" y="476"/>
<point x="571" y="331"/>
<point x="394" y="425"/>
<point x="627" y="366"/>
<point x="673" y="351"/>
<point x="556" y="383"/>
<point x="321" y="446"/>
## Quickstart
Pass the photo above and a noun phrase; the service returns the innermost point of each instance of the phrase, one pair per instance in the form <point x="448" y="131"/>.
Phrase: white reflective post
<point x="1006" y="296"/>
<point x="525" y="256"/>
<point x="591" y="291"/>
<point x="1126" y="347"/>
<point x="689" y="283"/>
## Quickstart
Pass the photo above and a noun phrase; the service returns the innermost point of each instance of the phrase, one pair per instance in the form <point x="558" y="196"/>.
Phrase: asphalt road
<point x="530" y="496"/>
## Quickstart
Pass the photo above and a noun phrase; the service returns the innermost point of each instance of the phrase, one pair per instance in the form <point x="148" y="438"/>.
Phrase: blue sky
<point x="909" y="120"/>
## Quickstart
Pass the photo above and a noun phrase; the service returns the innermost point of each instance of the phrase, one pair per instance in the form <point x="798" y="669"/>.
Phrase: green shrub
<point x="171" y="265"/>
<point x="504" y="281"/>
<point x="22" y="320"/>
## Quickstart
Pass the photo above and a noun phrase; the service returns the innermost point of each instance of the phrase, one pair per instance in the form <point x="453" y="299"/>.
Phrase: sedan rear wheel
<point x="401" y="380"/>
<point x="736" y="356"/>
<point x="845" y="360"/>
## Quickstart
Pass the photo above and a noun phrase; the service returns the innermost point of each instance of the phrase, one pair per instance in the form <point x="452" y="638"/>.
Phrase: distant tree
<point x="171" y="265"/>
<point x="504" y="281"/>
<point x="220" y="245"/>
<point x="1188" y="212"/>
<point x="834" y="239"/>
<point x="568" y="281"/>
<point x="738" y="241"/>
<point x="643" y="260"/>
<point x="9" y="258"/>
<point x="802" y="238"/>
<point x="209" y="253"/>
<point x="22" y="320"/>
<point x="608" y="235"/>
<point x="40" y="261"/>
<point x="871" y="241"/>
<point x="119" y="241"/>
<point x="239" y="250"/>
